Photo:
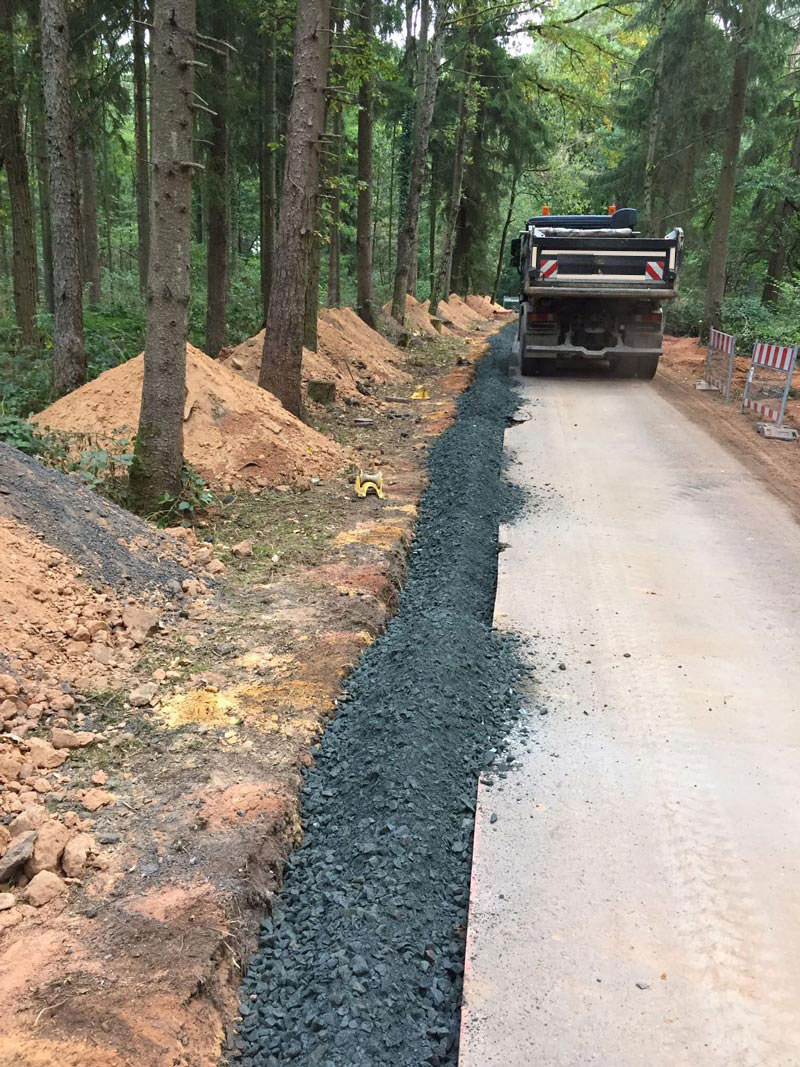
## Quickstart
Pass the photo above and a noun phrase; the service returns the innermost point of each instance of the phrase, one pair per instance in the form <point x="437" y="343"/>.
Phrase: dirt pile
<point x="485" y="307"/>
<point x="417" y="320"/>
<point x="348" y="352"/>
<point x="235" y="434"/>
<point x="462" y="314"/>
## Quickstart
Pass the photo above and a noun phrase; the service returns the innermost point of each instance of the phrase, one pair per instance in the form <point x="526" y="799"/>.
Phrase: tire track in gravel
<point x="361" y="962"/>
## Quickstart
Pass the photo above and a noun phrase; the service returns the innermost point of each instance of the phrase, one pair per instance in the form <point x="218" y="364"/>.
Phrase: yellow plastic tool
<point x="370" y="483"/>
<point x="420" y="394"/>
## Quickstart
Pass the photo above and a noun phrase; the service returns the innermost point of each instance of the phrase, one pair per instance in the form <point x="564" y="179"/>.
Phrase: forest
<point x="200" y="169"/>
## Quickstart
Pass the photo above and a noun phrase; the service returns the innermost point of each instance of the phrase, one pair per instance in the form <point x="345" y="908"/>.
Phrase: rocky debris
<point x="76" y="854"/>
<point x="143" y="695"/>
<point x="94" y="799"/>
<point x="29" y="819"/>
<point x="243" y="550"/>
<point x="43" y="888"/>
<point x="17" y="855"/>
<point x="7" y="900"/>
<point x="361" y="962"/>
<point x="48" y="847"/>
<point x="62" y="738"/>
<point x="139" y="622"/>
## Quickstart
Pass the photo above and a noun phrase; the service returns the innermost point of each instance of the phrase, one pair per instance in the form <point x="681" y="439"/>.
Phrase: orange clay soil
<point x="51" y="618"/>
<point x="417" y="320"/>
<point x="463" y="313"/>
<point x="235" y="434"/>
<point x="348" y="351"/>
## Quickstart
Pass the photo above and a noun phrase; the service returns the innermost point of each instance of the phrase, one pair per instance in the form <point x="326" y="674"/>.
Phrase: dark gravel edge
<point x="85" y="526"/>
<point x="362" y="960"/>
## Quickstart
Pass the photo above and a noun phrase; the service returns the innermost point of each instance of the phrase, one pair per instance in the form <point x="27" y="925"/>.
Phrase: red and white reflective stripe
<point x="722" y="342"/>
<point x="765" y="410"/>
<point x="777" y="357"/>
<point x="654" y="268"/>
<point x="549" y="268"/>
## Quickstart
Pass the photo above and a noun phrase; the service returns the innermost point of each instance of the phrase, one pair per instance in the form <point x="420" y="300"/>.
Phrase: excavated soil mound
<point x="245" y="359"/>
<point x="467" y="314"/>
<point x="235" y="434"/>
<point x="348" y="352"/>
<point x="370" y="352"/>
<point x="417" y="319"/>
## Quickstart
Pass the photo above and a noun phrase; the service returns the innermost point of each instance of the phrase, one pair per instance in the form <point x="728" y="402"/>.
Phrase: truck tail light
<point x="541" y="317"/>
<point x="649" y="316"/>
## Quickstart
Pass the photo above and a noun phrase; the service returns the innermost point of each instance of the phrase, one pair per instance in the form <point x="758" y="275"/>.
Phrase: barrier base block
<point x="706" y="387"/>
<point x="777" y="433"/>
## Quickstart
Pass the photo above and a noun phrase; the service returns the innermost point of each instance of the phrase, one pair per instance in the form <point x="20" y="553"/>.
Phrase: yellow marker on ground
<point x="420" y="394"/>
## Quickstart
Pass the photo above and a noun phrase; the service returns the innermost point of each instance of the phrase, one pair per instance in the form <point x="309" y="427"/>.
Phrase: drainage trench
<point x="361" y="962"/>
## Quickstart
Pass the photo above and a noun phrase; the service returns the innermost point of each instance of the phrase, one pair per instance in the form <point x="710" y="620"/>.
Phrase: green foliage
<point x="195" y="498"/>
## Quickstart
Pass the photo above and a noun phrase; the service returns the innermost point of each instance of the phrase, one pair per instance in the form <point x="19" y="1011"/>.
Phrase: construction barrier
<point x="767" y="387"/>
<point x="719" y="362"/>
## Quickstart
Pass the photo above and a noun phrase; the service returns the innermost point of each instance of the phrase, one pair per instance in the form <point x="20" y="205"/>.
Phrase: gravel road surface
<point x="636" y="881"/>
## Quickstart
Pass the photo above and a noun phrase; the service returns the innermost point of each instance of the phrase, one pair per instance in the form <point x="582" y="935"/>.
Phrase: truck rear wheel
<point x="648" y="365"/>
<point x="624" y="366"/>
<point x="530" y="367"/>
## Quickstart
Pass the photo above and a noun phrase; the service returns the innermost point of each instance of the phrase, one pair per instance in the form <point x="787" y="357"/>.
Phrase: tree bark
<point x="777" y="255"/>
<point x="141" y="142"/>
<point x="13" y="159"/>
<point x="217" y="196"/>
<point x="283" y="341"/>
<point x="156" y="471"/>
<point x="407" y="237"/>
<point x="441" y="288"/>
<point x="310" y="332"/>
<point x="726" y="187"/>
<point x="506" y="227"/>
<point x="43" y="190"/>
<point x="655" y="124"/>
<point x="365" y="294"/>
<point x="69" y="356"/>
<point x="268" y="174"/>
<point x="91" y="253"/>
<point x="334" y="246"/>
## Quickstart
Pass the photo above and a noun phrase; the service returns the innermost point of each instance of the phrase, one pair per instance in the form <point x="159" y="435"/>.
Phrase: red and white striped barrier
<point x="719" y="363"/>
<point x="549" y="269"/>
<point x="779" y="360"/>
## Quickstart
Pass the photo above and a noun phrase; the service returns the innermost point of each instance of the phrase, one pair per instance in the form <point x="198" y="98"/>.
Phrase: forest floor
<point x="161" y="697"/>
<point x="774" y="462"/>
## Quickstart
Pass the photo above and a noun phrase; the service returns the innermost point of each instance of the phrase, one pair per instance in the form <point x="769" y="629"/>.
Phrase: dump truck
<point x="591" y="288"/>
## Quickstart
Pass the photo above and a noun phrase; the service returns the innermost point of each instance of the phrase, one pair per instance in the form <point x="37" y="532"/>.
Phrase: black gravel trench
<point x="361" y="962"/>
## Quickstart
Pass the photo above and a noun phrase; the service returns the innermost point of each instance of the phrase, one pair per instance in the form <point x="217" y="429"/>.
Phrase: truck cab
<point x="591" y="289"/>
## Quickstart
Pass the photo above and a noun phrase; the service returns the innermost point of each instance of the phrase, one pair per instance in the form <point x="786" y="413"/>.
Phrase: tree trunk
<point x="407" y="237"/>
<point x="141" y="142"/>
<point x="655" y="124"/>
<point x="69" y="356"/>
<point x="726" y="187"/>
<point x="12" y="157"/>
<point x="91" y="253"/>
<point x="365" y="296"/>
<point x="156" y="471"/>
<point x="506" y="227"/>
<point x="441" y="288"/>
<point x="334" y="247"/>
<point x="268" y="174"/>
<point x="310" y="332"/>
<point x="43" y="191"/>
<point x="777" y="255"/>
<point x="217" y="196"/>
<point x="283" y="342"/>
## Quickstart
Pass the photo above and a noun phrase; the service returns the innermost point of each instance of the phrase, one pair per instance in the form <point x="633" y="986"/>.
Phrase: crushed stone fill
<point x="361" y="962"/>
